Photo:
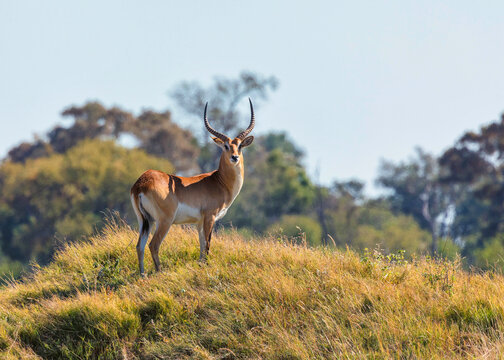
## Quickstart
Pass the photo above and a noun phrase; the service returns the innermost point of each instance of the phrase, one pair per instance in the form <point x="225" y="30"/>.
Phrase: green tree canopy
<point x="476" y="164"/>
<point x="155" y="132"/>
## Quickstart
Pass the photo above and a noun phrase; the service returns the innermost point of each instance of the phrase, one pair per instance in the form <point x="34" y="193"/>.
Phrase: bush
<point x="10" y="268"/>
<point x="298" y="228"/>
<point x="491" y="255"/>
<point x="380" y="227"/>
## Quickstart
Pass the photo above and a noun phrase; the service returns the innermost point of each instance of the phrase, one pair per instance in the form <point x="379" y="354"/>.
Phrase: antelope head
<point x="232" y="148"/>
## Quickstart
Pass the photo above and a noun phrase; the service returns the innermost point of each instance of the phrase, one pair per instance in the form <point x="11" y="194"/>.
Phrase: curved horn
<point x="210" y="129"/>
<point x="244" y="133"/>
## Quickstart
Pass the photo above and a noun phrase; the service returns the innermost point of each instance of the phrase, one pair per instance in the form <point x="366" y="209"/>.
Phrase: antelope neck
<point x="229" y="174"/>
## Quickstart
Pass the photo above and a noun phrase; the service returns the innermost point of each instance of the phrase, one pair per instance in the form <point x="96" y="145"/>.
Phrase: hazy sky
<point x="359" y="80"/>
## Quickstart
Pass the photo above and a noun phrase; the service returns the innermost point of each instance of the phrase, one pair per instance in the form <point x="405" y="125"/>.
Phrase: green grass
<point x="261" y="299"/>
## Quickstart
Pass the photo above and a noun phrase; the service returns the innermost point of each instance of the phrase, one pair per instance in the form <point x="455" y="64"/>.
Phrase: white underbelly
<point x="186" y="214"/>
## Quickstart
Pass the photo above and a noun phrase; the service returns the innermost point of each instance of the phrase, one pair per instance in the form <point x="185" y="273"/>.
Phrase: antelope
<point x="164" y="199"/>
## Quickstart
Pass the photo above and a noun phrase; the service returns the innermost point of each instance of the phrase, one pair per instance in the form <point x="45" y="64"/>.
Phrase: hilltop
<point x="254" y="299"/>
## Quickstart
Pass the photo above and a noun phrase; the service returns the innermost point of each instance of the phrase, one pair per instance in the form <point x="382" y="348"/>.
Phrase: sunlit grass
<point x="254" y="299"/>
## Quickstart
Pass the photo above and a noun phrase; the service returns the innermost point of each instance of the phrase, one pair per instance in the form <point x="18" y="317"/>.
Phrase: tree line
<point x="57" y="187"/>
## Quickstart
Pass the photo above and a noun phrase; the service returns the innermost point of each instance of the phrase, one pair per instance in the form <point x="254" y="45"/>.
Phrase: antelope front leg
<point x="208" y="228"/>
<point x="205" y="236"/>
<point x="202" y="242"/>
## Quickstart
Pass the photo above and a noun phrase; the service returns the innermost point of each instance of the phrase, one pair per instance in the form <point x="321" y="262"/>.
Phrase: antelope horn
<point x="210" y="129"/>
<point x="244" y="133"/>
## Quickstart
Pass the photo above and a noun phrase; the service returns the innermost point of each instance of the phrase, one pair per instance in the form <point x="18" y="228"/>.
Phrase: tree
<point x="476" y="165"/>
<point x="357" y="222"/>
<point x="26" y="150"/>
<point x="417" y="191"/>
<point x="152" y="131"/>
<point x="160" y="136"/>
<point x="320" y="206"/>
<point x="340" y="204"/>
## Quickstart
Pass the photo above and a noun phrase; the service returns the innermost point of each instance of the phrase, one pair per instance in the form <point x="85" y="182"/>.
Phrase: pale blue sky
<point x="359" y="80"/>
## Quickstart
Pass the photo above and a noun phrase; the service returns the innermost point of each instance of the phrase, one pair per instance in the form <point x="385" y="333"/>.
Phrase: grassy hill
<point x="262" y="299"/>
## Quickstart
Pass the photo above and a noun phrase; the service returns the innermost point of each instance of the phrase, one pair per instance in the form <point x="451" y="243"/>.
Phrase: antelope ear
<point x="247" y="141"/>
<point x="218" y="141"/>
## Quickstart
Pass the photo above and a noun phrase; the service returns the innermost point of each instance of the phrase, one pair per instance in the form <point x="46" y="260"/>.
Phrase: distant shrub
<point x="392" y="233"/>
<point x="492" y="254"/>
<point x="10" y="268"/>
<point x="298" y="228"/>
<point x="448" y="249"/>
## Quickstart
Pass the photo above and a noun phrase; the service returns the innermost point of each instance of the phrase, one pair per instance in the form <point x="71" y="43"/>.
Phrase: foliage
<point x="491" y="255"/>
<point x="155" y="132"/>
<point x="298" y="228"/>
<point x="66" y="194"/>
<point x="390" y="267"/>
<point x="158" y="135"/>
<point x="448" y="249"/>
<point x="475" y="165"/>
<point x="351" y="220"/>
<point x="254" y="299"/>
<point x="441" y="274"/>
<point x="416" y="191"/>
<point x="380" y="227"/>
<point x="10" y="268"/>
<point x="338" y="208"/>
<point x="459" y="196"/>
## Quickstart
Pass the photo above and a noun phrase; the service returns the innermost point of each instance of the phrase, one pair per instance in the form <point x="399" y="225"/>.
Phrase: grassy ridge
<point x="261" y="299"/>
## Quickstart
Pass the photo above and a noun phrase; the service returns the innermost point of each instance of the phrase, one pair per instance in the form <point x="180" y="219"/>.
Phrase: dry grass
<point x="262" y="299"/>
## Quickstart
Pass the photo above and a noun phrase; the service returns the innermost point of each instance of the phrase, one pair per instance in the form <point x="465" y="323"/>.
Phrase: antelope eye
<point x="226" y="146"/>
